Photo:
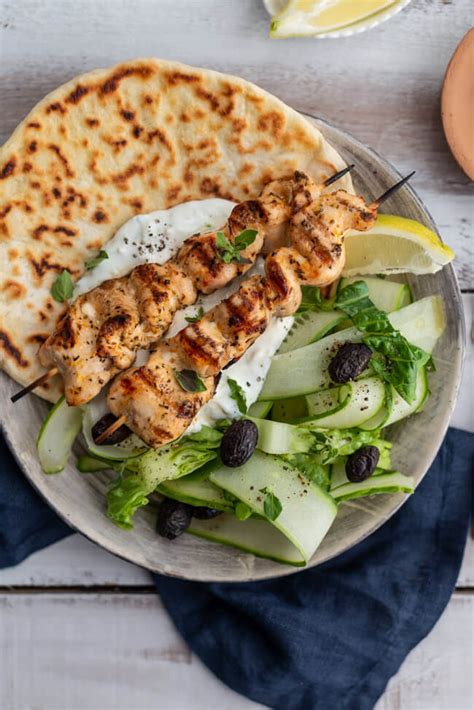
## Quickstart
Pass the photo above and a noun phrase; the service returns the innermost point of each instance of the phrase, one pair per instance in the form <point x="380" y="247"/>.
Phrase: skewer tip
<point x="338" y="175"/>
<point x="391" y="190"/>
<point x="33" y="385"/>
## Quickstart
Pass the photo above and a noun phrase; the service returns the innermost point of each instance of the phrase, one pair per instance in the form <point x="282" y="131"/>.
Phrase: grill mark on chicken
<point x="277" y="277"/>
<point x="111" y="331"/>
<point x="65" y="332"/>
<point x="200" y="350"/>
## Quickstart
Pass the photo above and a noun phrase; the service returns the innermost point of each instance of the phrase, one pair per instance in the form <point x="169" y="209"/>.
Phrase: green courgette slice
<point x="57" y="435"/>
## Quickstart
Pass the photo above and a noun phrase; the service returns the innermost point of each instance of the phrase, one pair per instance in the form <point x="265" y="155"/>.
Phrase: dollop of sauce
<point x="155" y="238"/>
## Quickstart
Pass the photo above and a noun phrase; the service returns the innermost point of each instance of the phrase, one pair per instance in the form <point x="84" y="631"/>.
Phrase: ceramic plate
<point x="273" y="7"/>
<point x="80" y="499"/>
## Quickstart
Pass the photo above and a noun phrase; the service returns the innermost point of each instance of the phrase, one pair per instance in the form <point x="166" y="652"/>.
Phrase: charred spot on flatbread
<point x="11" y="350"/>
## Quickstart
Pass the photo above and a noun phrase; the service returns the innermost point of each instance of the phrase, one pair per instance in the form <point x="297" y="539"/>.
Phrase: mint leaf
<point x="230" y="251"/>
<point x="238" y="395"/>
<point x="242" y="511"/>
<point x="245" y="239"/>
<point x="271" y="506"/>
<point x="196" y="318"/>
<point x="226" y="249"/>
<point x="96" y="260"/>
<point x="189" y="381"/>
<point x="63" y="287"/>
<point x="328" y="445"/>
<point x="222" y="241"/>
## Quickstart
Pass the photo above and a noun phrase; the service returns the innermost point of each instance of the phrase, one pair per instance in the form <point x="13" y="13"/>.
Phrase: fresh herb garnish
<point x="197" y="317"/>
<point x="63" y="287"/>
<point x="230" y="251"/>
<point x="242" y="511"/>
<point x="271" y="505"/>
<point x="238" y="395"/>
<point x="397" y="361"/>
<point x="96" y="260"/>
<point x="189" y="381"/>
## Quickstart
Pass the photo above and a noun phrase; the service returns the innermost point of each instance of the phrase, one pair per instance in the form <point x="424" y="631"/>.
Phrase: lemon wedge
<point x="395" y="245"/>
<point x="300" y="18"/>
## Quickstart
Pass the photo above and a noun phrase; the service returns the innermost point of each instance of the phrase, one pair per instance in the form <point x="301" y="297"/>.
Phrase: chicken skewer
<point x="104" y="328"/>
<point x="152" y="401"/>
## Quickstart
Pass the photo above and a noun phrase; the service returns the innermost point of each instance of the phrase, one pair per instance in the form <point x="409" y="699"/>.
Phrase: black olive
<point x="238" y="443"/>
<point x="173" y="518"/>
<point x="350" y="360"/>
<point x="104" y="422"/>
<point x="205" y="513"/>
<point x="362" y="463"/>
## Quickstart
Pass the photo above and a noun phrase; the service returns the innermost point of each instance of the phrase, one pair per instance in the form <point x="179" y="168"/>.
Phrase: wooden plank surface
<point x="100" y="652"/>
<point x="85" y="650"/>
<point x="120" y="652"/>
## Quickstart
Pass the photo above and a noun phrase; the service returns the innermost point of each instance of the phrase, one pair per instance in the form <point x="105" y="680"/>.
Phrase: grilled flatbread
<point x="144" y="135"/>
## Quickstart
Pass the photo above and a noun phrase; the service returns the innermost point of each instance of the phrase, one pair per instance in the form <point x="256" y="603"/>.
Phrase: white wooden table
<point x="79" y="629"/>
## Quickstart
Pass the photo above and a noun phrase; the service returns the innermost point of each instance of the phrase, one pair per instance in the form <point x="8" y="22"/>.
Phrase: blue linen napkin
<point x="329" y="637"/>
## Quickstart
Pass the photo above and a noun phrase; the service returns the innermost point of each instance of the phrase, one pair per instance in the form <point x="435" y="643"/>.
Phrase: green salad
<point x="271" y="482"/>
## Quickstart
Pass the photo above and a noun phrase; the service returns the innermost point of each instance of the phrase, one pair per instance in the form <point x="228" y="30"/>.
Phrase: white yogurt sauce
<point x="155" y="238"/>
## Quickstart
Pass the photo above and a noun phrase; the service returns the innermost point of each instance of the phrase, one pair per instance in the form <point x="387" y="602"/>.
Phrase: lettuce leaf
<point x="329" y="444"/>
<point x="144" y="473"/>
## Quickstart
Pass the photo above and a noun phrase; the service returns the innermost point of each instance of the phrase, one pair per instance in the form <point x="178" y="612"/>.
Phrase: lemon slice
<point x="301" y="18"/>
<point x="395" y="245"/>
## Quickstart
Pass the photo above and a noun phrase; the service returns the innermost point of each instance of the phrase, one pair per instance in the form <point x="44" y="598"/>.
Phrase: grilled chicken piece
<point x="103" y="329"/>
<point x="317" y="255"/>
<point x="164" y="405"/>
<point x="225" y="335"/>
<point x="315" y="258"/>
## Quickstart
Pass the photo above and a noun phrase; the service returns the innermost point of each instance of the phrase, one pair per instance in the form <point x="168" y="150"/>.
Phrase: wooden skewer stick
<point x="36" y="383"/>
<point x="391" y="190"/>
<point x="338" y="175"/>
<point x="111" y="429"/>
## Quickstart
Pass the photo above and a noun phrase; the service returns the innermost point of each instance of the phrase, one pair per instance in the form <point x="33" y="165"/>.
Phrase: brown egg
<point x="457" y="104"/>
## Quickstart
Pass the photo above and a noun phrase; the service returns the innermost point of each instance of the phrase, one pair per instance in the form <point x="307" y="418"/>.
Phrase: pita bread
<point x="144" y="135"/>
